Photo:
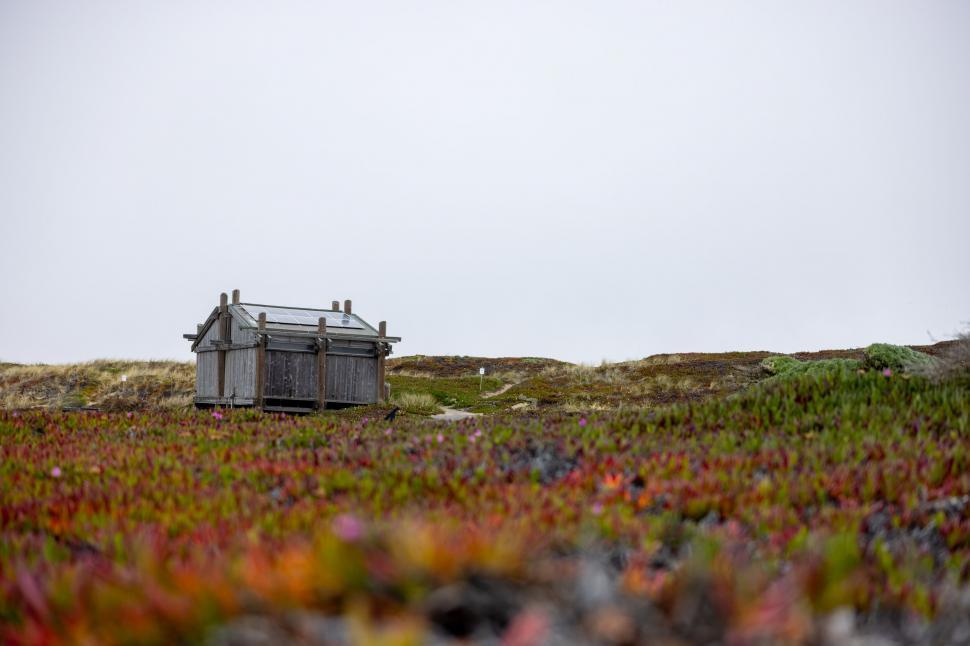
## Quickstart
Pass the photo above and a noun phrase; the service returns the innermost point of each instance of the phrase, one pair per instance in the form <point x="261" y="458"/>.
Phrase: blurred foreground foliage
<point x="751" y="517"/>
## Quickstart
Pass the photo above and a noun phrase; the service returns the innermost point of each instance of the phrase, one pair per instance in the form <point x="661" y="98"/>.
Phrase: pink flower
<point x="364" y="421"/>
<point x="597" y="508"/>
<point x="216" y="414"/>
<point x="56" y="472"/>
<point x="348" y="528"/>
<point x="129" y="415"/>
<point x="887" y="373"/>
<point x="531" y="626"/>
<point x="582" y="421"/>
<point x="387" y="432"/>
<point x="441" y="438"/>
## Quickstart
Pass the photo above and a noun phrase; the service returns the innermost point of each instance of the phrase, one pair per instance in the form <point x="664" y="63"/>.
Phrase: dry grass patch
<point x="952" y="361"/>
<point x="150" y="385"/>
<point x="416" y="403"/>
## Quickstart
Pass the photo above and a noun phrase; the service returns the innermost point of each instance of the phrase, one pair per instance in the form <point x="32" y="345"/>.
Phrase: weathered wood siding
<point x="238" y="334"/>
<point x="207" y="374"/>
<point x="363" y="348"/>
<point x="291" y="368"/>
<point x="291" y="375"/>
<point x="241" y="373"/>
<point x="212" y="334"/>
<point x="351" y="379"/>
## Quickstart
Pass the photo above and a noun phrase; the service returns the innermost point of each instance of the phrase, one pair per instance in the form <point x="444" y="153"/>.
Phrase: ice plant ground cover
<point x="798" y="510"/>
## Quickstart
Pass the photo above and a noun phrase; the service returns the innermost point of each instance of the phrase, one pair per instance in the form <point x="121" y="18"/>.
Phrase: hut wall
<point x="207" y="374"/>
<point x="241" y="373"/>
<point x="291" y="375"/>
<point x="291" y="367"/>
<point x="351" y="379"/>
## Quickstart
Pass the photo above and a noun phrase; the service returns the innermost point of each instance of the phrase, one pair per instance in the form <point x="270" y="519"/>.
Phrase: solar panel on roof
<point x="309" y="318"/>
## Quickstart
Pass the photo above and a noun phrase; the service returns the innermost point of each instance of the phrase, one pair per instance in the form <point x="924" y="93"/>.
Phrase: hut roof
<point x="301" y="319"/>
<point x="298" y="321"/>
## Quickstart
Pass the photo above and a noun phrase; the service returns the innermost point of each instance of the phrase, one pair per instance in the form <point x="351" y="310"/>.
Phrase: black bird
<point x="390" y="416"/>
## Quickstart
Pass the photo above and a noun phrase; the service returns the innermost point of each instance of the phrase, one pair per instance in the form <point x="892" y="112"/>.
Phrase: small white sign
<point x="481" y="371"/>
<point x="124" y="378"/>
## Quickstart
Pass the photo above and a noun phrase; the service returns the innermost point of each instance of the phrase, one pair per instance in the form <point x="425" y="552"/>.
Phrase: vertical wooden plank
<point x="274" y="371"/>
<point x="230" y="375"/>
<point x="223" y="324"/>
<point x="207" y="382"/>
<point x="198" y="360"/>
<point x="333" y="383"/>
<point x="200" y="374"/>
<point x="336" y="378"/>
<point x="240" y="373"/>
<point x="307" y="388"/>
<point x="370" y="369"/>
<point x="260" y="359"/>
<point x="322" y="363"/>
<point x="382" y="334"/>
<point x="350" y="371"/>
<point x="347" y="306"/>
<point x="250" y="371"/>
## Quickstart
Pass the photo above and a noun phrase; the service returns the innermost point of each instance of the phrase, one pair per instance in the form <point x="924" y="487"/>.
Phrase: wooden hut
<point x="292" y="359"/>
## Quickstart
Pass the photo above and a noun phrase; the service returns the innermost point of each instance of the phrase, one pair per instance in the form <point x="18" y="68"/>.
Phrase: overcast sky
<point x="576" y="180"/>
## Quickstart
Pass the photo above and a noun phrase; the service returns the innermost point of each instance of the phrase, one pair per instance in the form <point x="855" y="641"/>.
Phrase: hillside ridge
<point x="425" y="382"/>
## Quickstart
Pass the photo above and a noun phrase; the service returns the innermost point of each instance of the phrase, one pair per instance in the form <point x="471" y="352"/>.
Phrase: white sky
<point x="577" y="180"/>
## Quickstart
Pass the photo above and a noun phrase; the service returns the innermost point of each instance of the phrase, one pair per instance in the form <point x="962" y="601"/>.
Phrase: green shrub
<point x="778" y="364"/>
<point x="785" y="367"/>
<point x="824" y="367"/>
<point x="880" y="356"/>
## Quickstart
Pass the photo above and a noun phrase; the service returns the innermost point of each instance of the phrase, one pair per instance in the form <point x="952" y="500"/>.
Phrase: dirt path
<point x="453" y="414"/>
<point x="501" y="391"/>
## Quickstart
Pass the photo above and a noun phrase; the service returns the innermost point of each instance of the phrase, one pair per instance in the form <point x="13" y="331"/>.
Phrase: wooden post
<point x="223" y="338"/>
<point x="347" y="306"/>
<point x="260" y="358"/>
<point x="335" y="306"/>
<point x="235" y="297"/>
<point x="382" y="334"/>
<point x="322" y="363"/>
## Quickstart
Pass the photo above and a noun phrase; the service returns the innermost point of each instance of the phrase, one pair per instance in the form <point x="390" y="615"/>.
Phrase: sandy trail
<point x="501" y="391"/>
<point x="454" y="414"/>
